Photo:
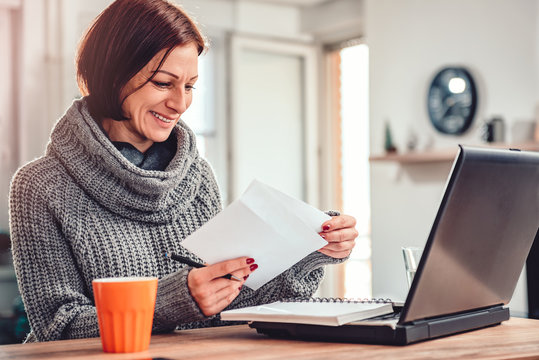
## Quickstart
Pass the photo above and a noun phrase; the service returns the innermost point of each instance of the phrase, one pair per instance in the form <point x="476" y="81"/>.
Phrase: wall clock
<point x="452" y="100"/>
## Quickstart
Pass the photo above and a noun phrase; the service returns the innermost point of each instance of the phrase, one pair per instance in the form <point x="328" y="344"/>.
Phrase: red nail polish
<point x="253" y="267"/>
<point x="245" y="277"/>
<point x="240" y="287"/>
<point x="250" y="261"/>
<point x="326" y="227"/>
<point x="323" y="236"/>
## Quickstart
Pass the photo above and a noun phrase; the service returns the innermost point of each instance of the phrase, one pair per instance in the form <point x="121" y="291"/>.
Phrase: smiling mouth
<point x="162" y="118"/>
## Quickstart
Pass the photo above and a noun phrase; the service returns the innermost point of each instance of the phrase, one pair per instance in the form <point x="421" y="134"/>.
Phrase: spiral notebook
<point x="316" y="311"/>
<point x="486" y="223"/>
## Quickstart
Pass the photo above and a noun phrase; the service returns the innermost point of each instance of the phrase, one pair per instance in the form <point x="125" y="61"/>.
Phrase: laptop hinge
<point x="464" y="321"/>
<point x="453" y="316"/>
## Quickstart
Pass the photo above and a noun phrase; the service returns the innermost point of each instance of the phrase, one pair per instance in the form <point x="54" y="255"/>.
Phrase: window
<point x="349" y="83"/>
<point x="199" y="116"/>
<point x="207" y="115"/>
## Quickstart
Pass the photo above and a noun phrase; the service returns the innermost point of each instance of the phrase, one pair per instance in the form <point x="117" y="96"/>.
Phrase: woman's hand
<point x="340" y="233"/>
<point x="211" y="291"/>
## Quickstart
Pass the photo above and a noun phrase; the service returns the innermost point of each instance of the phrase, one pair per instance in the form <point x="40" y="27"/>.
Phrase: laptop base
<point x="386" y="335"/>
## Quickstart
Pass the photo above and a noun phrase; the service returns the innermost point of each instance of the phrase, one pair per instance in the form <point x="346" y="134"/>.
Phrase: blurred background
<point x="304" y="95"/>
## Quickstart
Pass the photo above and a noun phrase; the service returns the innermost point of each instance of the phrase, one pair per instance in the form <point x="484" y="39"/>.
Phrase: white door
<point x="273" y="127"/>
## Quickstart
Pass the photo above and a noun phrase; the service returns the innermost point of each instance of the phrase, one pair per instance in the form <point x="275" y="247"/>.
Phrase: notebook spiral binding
<point x="339" y="300"/>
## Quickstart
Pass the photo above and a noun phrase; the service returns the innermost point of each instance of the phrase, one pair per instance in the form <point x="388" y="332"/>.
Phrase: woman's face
<point x="154" y="109"/>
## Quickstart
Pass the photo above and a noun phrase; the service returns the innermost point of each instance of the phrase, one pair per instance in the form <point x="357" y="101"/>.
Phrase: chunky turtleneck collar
<point x="116" y="183"/>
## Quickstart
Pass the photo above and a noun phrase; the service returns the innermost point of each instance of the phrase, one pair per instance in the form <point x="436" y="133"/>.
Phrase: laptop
<point x="486" y="223"/>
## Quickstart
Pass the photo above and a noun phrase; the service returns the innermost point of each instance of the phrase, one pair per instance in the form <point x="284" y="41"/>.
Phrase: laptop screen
<point x="481" y="236"/>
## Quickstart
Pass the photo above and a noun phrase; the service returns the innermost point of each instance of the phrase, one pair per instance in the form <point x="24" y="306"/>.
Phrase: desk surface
<point x="516" y="338"/>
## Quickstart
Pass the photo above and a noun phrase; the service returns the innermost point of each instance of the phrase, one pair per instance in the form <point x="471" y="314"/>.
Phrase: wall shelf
<point x="444" y="155"/>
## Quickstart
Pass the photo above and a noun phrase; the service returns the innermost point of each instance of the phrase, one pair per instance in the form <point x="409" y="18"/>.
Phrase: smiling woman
<point x="122" y="183"/>
<point x="155" y="107"/>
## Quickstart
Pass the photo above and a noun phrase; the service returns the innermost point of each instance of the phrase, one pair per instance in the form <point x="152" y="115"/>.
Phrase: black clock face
<point x="452" y="100"/>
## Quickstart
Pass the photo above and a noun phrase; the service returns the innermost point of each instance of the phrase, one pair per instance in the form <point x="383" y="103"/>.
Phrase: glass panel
<point x="355" y="164"/>
<point x="200" y="116"/>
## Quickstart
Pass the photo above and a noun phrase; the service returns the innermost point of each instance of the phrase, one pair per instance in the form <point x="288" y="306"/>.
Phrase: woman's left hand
<point x="341" y="234"/>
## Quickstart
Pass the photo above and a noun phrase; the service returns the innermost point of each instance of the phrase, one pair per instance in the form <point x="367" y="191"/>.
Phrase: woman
<point x="121" y="184"/>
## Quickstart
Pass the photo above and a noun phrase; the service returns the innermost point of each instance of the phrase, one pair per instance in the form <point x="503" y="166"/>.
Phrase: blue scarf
<point x="157" y="157"/>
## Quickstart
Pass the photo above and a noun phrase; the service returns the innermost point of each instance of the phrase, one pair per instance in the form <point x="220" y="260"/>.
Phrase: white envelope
<point x="265" y="224"/>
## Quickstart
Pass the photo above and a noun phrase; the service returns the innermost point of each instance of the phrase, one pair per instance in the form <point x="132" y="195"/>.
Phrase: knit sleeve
<point x="174" y="304"/>
<point x="301" y="280"/>
<point x="49" y="281"/>
<point x="56" y="296"/>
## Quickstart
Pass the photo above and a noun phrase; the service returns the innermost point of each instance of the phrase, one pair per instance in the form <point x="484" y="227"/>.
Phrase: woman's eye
<point x="163" y="85"/>
<point x="188" y="88"/>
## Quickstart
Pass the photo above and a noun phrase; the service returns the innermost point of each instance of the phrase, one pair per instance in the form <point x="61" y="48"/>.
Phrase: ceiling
<point x="301" y="3"/>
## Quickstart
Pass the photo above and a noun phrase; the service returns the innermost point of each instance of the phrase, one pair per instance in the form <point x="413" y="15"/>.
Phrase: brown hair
<point x="121" y="41"/>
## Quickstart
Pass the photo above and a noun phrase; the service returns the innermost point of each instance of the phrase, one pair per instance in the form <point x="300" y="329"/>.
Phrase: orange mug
<point x="125" y="309"/>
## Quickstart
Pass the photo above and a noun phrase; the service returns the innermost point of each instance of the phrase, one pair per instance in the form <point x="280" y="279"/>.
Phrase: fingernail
<point x="250" y="261"/>
<point x="240" y="287"/>
<point x="326" y="227"/>
<point x="323" y="236"/>
<point x="253" y="267"/>
<point x="245" y="277"/>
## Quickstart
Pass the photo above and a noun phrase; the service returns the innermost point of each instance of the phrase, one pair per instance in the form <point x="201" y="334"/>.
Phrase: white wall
<point x="409" y="40"/>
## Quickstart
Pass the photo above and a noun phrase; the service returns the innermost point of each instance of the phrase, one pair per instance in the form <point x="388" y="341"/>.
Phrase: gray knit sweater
<point x="83" y="211"/>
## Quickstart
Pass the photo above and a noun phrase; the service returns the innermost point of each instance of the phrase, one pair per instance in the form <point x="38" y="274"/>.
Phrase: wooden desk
<point x="514" y="339"/>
